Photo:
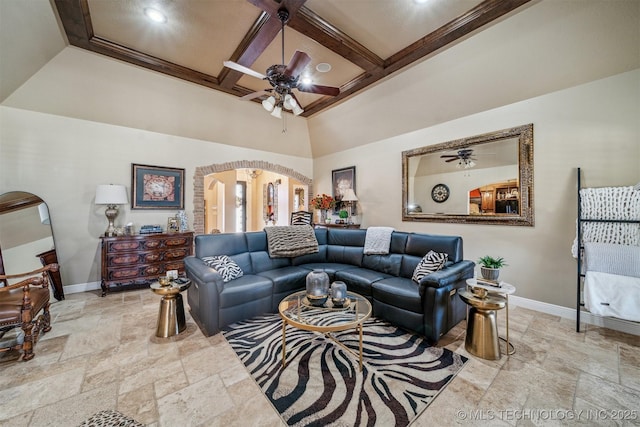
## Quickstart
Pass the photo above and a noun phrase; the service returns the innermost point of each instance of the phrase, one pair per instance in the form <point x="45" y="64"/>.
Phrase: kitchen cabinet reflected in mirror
<point x="26" y="237"/>
<point x="484" y="179"/>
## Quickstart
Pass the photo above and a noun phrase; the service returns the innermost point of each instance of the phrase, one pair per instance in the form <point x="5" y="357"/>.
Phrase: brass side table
<point x="171" y="319"/>
<point x="482" y="328"/>
<point x="505" y="289"/>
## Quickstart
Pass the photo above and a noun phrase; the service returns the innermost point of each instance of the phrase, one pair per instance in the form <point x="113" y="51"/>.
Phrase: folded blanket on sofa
<point x="291" y="240"/>
<point x="377" y="240"/>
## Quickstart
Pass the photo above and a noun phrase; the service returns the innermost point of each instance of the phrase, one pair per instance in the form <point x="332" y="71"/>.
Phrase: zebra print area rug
<point x="322" y="383"/>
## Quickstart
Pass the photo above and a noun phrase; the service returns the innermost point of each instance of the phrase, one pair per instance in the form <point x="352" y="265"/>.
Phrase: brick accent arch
<point x="202" y="171"/>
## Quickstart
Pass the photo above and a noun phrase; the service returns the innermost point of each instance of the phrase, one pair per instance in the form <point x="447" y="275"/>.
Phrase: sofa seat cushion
<point x="328" y="267"/>
<point x="243" y="289"/>
<point x="286" y="279"/>
<point x="399" y="292"/>
<point x="359" y="280"/>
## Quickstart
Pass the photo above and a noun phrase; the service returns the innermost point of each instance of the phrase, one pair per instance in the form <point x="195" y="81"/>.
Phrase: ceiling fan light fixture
<point x="297" y="110"/>
<point x="277" y="112"/>
<point x="289" y="102"/>
<point x="269" y="103"/>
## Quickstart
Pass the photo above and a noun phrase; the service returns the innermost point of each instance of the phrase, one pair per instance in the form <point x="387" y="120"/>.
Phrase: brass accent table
<point x="171" y="320"/>
<point x="482" y="329"/>
<point x="505" y="289"/>
<point x="296" y="311"/>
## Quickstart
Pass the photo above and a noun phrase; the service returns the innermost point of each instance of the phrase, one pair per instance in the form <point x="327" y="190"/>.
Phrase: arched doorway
<point x="202" y="171"/>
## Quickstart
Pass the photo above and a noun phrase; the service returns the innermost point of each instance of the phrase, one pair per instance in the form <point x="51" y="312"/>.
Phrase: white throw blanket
<point x="377" y="240"/>
<point x="612" y="295"/>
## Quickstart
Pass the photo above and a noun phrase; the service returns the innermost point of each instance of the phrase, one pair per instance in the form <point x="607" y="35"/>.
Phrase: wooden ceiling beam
<point x="456" y="29"/>
<point x="309" y="24"/>
<point x="258" y="38"/>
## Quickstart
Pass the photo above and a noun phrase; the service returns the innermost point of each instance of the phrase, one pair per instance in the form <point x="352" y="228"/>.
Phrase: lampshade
<point x="277" y="112"/>
<point x="110" y="194"/>
<point x="349" y="196"/>
<point x="269" y="103"/>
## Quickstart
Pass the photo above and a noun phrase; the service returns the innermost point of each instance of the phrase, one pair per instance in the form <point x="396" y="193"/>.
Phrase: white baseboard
<point x="613" y="323"/>
<point x="81" y="287"/>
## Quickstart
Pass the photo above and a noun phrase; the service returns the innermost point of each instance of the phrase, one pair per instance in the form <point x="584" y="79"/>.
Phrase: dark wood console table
<point x="136" y="261"/>
<point x="337" y="225"/>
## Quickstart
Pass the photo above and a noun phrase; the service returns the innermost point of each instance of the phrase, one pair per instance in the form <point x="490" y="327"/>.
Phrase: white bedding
<point x="612" y="295"/>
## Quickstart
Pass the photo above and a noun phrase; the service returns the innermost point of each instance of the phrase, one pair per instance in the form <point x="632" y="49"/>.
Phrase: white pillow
<point x="432" y="261"/>
<point x="225" y="266"/>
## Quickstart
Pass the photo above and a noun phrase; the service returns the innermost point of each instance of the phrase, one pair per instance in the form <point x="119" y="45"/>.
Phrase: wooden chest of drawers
<point x="135" y="261"/>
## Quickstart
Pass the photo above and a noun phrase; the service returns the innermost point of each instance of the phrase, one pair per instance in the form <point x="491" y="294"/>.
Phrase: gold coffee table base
<point x="326" y="319"/>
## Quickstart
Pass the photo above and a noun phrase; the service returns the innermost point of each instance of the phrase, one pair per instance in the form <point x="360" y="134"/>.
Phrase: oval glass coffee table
<point x="296" y="311"/>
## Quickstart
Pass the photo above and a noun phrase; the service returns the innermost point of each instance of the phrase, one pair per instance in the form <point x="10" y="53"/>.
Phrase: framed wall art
<point x="156" y="187"/>
<point x="343" y="179"/>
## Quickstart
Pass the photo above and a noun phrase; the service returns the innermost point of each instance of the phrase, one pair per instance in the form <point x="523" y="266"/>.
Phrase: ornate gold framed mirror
<point x="483" y="179"/>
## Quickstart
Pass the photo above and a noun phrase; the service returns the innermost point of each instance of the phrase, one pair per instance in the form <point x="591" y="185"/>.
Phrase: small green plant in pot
<point x="490" y="267"/>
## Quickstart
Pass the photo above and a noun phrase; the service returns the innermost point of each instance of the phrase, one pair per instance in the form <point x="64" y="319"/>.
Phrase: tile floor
<point x="102" y="354"/>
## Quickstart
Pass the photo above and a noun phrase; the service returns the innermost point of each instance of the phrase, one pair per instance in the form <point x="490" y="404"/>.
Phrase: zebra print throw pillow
<point x="432" y="261"/>
<point x="225" y="266"/>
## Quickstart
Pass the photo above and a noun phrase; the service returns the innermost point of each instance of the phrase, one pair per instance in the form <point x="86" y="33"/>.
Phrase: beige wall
<point x="62" y="160"/>
<point x="595" y="126"/>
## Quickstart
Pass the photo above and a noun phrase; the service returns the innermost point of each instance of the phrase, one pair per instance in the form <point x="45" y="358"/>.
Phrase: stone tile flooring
<point x="102" y="354"/>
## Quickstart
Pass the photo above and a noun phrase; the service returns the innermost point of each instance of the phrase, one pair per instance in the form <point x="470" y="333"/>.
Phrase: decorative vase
<point x="338" y="293"/>
<point x="490" y="273"/>
<point x="323" y="216"/>
<point x="317" y="287"/>
<point x="182" y="220"/>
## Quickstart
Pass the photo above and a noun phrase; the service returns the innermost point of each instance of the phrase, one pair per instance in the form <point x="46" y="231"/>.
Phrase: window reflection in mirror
<point x="482" y="179"/>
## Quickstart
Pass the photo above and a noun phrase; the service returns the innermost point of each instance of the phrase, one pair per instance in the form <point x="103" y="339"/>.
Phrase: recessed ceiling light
<point x="323" y="67"/>
<point x="420" y="1"/>
<point x="155" y="15"/>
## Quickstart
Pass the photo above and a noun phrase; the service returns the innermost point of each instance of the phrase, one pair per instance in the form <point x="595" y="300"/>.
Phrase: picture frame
<point x="156" y="187"/>
<point x="173" y="225"/>
<point x="341" y="179"/>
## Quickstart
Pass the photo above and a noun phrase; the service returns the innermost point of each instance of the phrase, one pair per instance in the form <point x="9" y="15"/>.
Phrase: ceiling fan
<point x="283" y="79"/>
<point x="464" y="158"/>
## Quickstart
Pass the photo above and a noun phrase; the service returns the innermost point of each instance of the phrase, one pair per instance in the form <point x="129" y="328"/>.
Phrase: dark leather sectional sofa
<point x="429" y="308"/>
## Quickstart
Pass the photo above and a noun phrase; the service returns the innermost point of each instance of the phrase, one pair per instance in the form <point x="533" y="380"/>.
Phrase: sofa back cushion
<point x="419" y="244"/>
<point x="234" y="245"/>
<point x="389" y="264"/>
<point x="258" y="250"/>
<point x="345" y="246"/>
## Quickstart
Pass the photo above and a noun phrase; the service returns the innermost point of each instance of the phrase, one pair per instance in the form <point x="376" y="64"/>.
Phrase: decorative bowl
<point x="164" y="281"/>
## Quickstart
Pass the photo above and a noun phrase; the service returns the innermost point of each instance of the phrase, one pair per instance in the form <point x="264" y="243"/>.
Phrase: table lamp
<point x="349" y="197"/>
<point x="112" y="196"/>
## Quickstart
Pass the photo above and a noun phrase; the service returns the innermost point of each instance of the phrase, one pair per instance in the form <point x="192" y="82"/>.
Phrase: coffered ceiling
<point x="362" y="41"/>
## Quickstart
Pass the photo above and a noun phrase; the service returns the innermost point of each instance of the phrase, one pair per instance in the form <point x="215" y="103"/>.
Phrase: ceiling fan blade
<point x="449" y="155"/>
<point x="451" y="160"/>
<point x="319" y="89"/>
<point x="253" y="95"/>
<point x="243" y="69"/>
<point x="298" y="62"/>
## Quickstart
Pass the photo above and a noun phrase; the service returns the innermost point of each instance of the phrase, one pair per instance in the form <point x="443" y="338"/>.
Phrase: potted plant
<point x="490" y="267"/>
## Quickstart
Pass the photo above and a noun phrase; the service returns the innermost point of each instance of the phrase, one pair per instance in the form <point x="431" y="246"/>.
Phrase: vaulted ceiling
<point x="361" y="41"/>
